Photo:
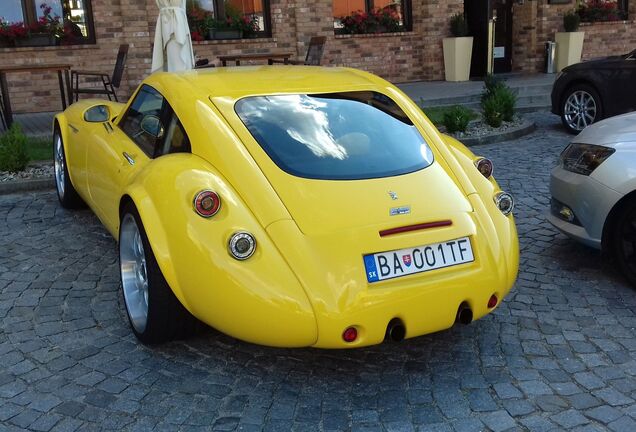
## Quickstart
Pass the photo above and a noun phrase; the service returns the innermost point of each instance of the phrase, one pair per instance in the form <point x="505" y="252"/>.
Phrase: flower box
<point x="36" y="39"/>
<point x="226" y="34"/>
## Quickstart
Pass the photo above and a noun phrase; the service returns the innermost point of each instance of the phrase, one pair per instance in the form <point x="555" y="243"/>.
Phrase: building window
<point x="603" y="10"/>
<point x="65" y="22"/>
<point x="249" y="17"/>
<point x="371" y="16"/>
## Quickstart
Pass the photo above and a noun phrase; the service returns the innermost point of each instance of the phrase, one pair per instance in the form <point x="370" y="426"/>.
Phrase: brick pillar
<point x="524" y="37"/>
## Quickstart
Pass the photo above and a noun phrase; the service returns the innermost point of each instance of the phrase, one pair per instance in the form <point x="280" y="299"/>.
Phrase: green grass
<point x="436" y="114"/>
<point x="40" y="148"/>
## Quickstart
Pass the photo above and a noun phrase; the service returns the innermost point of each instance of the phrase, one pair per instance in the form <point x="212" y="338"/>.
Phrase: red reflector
<point x="350" y="334"/>
<point x="416" y="227"/>
<point x="484" y="166"/>
<point x="492" y="302"/>
<point x="207" y="203"/>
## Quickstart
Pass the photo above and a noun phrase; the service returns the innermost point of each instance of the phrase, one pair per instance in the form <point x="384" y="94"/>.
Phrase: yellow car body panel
<point x="306" y="282"/>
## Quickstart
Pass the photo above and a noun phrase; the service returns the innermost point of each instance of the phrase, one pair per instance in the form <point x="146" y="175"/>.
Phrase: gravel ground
<point x="38" y="170"/>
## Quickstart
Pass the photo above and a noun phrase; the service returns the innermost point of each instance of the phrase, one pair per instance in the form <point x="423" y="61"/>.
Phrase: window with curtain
<point x="371" y="16"/>
<point x="64" y="21"/>
<point x="250" y="16"/>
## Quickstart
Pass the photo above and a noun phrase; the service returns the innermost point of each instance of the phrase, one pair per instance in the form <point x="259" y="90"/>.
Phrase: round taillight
<point x="484" y="166"/>
<point x="504" y="202"/>
<point x="492" y="301"/>
<point x="350" y="334"/>
<point x="207" y="203"/>
<point x="242" y="245"/>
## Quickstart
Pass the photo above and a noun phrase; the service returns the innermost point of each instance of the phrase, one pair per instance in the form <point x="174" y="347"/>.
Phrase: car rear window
<point x="335" y="136"/>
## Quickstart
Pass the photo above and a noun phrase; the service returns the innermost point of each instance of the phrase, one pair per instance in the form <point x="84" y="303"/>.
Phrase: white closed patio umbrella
<point x="173" y="48"/>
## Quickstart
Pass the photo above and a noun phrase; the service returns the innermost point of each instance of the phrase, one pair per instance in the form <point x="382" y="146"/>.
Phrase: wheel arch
<point x="155" y="233"/>
<point x="609" y="224"/>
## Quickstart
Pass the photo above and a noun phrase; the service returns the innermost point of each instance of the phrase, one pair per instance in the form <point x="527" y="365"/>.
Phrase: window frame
<point x="219" y="10"/>
<point x="30" y="17"/>
<point x="165" y="116"/>
<point x="407" y="16"/>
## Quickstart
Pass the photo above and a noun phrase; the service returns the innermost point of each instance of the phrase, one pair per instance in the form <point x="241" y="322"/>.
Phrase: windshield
<point x="335" y="136"/>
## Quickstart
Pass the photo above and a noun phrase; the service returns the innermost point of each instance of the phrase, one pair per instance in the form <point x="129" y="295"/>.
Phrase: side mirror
<point x="97" y="114"/>
<point x="151" y="125"/>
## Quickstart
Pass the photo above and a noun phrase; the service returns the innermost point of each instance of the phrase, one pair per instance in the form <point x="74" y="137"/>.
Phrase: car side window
<point x="143" y="120"/>
<point x="175" y="139"/>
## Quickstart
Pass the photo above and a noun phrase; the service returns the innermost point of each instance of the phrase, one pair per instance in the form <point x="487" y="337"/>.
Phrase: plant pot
<point x="568" y="49"/>
<point x="226" y="34"/>
<point x="457" y="55"/>
<point x="36" y="39"/>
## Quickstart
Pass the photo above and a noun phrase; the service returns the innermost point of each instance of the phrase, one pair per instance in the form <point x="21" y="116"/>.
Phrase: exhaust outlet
<point x="464" y="314"/>
<point x="395" y="331"/>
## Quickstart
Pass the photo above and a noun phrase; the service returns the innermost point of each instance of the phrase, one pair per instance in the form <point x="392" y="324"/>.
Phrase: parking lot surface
<point x="558" y="354"/>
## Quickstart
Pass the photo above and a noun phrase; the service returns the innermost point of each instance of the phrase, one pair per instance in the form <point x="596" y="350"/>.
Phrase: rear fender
<point x="258" y="300"/>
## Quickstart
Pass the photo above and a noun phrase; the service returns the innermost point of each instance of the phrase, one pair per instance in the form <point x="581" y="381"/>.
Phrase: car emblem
<point x="407" y="260"/>
<point x="400" y="210"/>
<point x="393" y="195"/>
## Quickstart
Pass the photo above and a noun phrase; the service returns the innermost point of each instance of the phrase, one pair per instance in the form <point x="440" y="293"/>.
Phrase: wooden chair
<point x="110" y="83"/>
<point x="314" y="53"/>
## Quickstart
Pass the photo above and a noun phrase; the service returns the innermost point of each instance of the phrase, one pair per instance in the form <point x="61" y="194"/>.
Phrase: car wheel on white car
<point x="624" y="241"/>
<point x="154" y="312"/>
<point x="66" y="193"/>
<point x="580" y="107"/>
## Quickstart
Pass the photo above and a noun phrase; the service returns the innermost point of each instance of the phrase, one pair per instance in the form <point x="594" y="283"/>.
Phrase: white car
<point x="594" y="189"/>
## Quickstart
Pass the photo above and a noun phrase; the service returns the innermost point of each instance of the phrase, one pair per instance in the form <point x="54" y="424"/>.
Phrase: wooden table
<point x="59" y="68"/>
<point x="270" y="57"/>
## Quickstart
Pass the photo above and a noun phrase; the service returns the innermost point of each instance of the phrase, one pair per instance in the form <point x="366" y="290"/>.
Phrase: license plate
<point x="397" y="263"/>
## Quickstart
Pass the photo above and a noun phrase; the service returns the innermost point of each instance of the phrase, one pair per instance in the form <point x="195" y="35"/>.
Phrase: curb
<point x="510" y="134"/>
<point x="15" y="186"/>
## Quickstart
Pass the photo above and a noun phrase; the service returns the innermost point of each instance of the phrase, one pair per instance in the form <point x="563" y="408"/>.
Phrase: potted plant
<point x="569" y="44"/>
<point x="458" y="50"/>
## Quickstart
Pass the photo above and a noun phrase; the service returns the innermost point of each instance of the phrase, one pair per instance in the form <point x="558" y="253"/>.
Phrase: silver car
<point x="594" y="190"/>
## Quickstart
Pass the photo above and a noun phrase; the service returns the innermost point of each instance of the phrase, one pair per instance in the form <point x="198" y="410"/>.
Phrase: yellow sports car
<point x="288" y="206"/>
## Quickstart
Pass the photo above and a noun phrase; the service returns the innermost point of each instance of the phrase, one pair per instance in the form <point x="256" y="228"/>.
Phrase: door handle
<point x="128" y="158"/>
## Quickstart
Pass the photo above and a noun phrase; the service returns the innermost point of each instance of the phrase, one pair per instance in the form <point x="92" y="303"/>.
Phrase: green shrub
<point x="456" y="119"/>
<point x="498" y="102"/>
<point x="492" y="111"/>
<point x="571" y="21"/>
<point x="491" y="85"/>
<point x="13" y="150"/>
<point x="458" y="25"/>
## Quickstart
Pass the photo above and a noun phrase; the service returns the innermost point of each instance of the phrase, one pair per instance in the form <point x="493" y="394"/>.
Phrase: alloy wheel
<point x="134" y="276"/>
<point x="579" y="110"/>
<point x="59" y="165"/>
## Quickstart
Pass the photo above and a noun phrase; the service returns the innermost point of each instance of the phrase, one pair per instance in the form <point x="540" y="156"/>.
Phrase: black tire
<point x="66" y="193"/>
<point x="167" y="319"/>
<point x="577" y="116"/>
<point x="624" y="241"/>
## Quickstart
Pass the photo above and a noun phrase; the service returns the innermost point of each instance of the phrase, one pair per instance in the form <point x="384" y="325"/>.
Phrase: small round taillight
<point x="484" y="166"/>
<point x="242" y="245"/>
<point x="207" y="203"/>
<point x="492" y="301"/>
<point x="350" y="334"/>
<point x="504" y="202"/>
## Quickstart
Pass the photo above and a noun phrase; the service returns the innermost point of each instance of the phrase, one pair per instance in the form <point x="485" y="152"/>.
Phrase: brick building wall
<point x="398" y="57"/>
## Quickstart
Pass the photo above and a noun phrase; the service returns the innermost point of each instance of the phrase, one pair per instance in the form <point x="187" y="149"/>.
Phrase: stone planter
<point x="36" y="39"/>
<point x="568" y="49"/>
<point x="457" y="55"/>
<point x="226" y="34"/>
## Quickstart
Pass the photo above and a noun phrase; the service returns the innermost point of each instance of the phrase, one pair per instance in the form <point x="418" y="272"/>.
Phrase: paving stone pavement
<point x="558" y="354"/>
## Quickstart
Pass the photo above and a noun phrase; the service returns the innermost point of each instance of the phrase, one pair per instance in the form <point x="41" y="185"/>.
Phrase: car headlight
<point x="584" y="158"/>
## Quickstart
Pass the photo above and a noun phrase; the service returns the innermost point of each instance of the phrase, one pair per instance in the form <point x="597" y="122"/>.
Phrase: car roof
<point x="237" y="82"/>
